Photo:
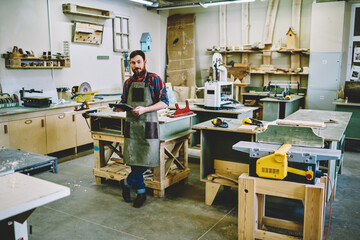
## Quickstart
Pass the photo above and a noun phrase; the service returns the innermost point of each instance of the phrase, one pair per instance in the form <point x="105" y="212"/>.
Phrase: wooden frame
<point x="252" y="217"/>
<point x="121" y="34"/>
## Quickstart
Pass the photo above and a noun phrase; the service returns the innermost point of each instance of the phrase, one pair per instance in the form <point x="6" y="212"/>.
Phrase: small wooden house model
<point x="291" y="39"/>
<point x="145" y="42"/>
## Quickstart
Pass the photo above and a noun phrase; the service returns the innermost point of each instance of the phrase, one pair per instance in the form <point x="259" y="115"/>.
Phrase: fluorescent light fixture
<point x="211" y="4"/>
<point x="180" y="6"/>
<point x="148" y="3"/>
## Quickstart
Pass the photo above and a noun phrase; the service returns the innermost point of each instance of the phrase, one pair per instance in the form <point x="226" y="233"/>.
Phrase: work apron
<point x="141" y="133"/>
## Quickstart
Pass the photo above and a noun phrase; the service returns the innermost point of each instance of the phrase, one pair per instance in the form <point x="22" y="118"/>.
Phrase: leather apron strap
<point x="141" y="133"/>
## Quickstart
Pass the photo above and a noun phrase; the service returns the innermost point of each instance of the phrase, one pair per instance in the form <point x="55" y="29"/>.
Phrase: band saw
<point x="290" y="153"/>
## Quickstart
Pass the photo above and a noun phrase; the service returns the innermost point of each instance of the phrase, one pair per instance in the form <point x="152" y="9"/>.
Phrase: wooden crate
<point x="251" y="217"/>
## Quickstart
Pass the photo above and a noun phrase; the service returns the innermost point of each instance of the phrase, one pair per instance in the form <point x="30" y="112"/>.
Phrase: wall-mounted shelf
<point x="35" y="63"/>
<point x="283" y="50"/>
<point x="295" y="71"/>
<point x="87" y="11"/>
<point x="86" y="32"/>
<point x="278" y="73"/>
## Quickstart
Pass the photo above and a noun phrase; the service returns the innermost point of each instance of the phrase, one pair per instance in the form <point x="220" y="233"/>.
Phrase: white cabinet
<point x="4" y="135"/>
<point x="28" y="135"/>
<point x="83" y="134"/>
<point x="60" y="131"/>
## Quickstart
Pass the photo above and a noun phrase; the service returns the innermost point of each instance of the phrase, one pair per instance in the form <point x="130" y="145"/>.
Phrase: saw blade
<point x="84" y="87"/>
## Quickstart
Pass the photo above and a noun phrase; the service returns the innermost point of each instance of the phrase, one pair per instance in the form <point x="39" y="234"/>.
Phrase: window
<point x="121" y="34"/>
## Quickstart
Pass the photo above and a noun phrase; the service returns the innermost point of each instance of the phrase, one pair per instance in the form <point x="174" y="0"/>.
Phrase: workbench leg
<point x="159" y="193"/>
<point x="185" y="181"/>
<point x="211" y="190"/>
<point x="247" y="208"/>
<point x="237" y="93"/>
<point x="261" y="209"/>
<point x="313" y="212"/>
<point x="332" y="173"/>
<point x="99" y="158"/>
<point x="159" y="173"/>
<point x="98" y="180"/>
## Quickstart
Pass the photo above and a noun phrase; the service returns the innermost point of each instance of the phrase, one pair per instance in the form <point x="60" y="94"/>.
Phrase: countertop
<point x="67" y="104"/>
<point x="272" y="99"/>
<point x="342" y="102"/>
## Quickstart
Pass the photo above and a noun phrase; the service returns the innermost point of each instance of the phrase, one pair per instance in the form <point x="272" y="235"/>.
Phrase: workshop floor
<point x="98" y="211"/>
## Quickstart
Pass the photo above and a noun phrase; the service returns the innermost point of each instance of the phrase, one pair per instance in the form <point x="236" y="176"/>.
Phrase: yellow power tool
<point x="275" y="165"/>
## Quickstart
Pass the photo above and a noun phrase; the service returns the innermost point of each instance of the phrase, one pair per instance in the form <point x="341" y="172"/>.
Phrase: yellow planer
<point x="285" y="161"/>
<point x="276" y="165"/>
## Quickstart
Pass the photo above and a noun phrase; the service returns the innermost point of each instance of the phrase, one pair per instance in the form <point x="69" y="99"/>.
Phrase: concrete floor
<point x="98" y="211"/>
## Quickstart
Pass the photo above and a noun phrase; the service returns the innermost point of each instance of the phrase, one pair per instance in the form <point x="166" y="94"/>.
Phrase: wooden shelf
<point x="38" y="63"/>
<point x="277" y="73"/>
<point x="293" y="51"/>
<point x="87" y="11"/>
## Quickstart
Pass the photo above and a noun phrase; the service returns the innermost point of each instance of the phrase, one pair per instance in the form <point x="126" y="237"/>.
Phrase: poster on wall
<point x="356" y="54"/>
<point x="355" y="73"/>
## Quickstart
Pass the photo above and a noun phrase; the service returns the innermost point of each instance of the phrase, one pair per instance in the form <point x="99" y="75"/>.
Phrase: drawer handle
<point x="5" y="129"/>
<point x="61" y="116"/>
<point x="42" y="123"/>
<point x="73" y="118"/>
<point x="28" y="121"/>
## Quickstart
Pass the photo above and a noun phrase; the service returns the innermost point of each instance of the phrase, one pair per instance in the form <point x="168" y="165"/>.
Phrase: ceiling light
<point x="148" y="3"/>
<point x="211" y="4"/>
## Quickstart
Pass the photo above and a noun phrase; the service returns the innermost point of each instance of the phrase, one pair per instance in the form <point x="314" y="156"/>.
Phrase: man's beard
<point x="141" y="73"/>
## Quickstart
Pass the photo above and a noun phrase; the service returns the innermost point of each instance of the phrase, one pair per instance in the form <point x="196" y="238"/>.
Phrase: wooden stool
<point x="252" y="191"/>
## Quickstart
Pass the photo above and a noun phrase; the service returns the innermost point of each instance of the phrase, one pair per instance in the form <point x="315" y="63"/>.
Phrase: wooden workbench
<point x="274" y="108"/>
<point x="352" y="130"/>
<point x="107" y="129"/>
<point x="203" y="115"/>
<point x="333" y="135"/>
<point x="217" y="155"/>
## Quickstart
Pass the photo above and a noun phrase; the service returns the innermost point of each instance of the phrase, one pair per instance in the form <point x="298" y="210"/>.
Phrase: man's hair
<point x="137" y="52"/>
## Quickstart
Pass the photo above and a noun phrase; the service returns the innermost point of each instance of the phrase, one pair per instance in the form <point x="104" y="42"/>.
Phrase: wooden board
<point x="84" y="32"/>
<point x="270" y="21"/>
<point x="245" y="23"/>
<point x="222" y="26"/>
<point x="181" y="50"/>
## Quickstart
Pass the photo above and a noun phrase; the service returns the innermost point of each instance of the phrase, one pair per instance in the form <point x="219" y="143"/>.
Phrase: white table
<point x="20" y="195"/>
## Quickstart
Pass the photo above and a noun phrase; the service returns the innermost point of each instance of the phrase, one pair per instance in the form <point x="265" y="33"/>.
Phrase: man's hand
<point x="139" y="110"/>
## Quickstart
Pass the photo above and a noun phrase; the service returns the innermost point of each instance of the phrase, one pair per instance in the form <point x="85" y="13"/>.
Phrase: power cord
<point x="331" y="197"/>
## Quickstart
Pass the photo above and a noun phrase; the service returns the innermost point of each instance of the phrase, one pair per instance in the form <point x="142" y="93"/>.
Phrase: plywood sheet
<point x="181" y="50"/>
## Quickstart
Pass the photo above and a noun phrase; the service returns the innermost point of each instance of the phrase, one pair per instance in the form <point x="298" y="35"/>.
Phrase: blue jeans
<point x="136" y="179"/>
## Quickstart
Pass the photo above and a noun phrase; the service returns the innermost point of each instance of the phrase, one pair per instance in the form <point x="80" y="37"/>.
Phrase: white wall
<point x="24" y="23"/>
<point x="207" y="32"/>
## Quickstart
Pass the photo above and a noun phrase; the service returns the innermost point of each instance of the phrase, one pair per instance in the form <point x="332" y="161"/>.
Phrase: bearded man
<point x="146" y="92"/>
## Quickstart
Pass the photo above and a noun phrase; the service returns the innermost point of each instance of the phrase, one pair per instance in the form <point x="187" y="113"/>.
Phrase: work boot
<point x="125" y="191"/>
<point x="140" y="199"/>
